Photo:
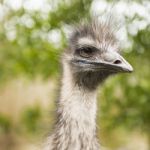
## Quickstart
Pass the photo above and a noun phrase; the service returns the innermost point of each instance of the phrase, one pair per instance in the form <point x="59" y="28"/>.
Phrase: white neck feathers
<point x="76" y="126"/>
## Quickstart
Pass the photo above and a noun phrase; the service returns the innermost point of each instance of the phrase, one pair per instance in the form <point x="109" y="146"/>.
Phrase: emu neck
<point x="76" y="126"/>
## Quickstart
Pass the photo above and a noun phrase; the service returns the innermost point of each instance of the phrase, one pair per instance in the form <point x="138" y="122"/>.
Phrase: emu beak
<point x="116" y="62"/>
<point x="110" y="61"/>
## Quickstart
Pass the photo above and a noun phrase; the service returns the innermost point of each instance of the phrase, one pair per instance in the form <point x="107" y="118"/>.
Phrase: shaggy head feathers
<point x="97" y="33"/>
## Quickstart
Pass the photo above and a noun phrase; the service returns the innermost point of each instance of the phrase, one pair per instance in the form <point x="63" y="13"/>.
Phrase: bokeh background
<point x="33" y="34"/>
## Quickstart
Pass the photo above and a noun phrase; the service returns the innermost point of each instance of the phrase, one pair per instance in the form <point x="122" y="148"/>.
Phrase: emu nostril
<point x="117" y="61"/>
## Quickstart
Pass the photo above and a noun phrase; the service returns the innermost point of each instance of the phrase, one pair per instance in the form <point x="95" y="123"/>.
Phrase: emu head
<point x="93" y="54"/>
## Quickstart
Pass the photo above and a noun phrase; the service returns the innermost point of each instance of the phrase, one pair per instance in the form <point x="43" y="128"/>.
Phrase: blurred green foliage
<point x="31" y="118"/>
<point x="23" y="39"/>
<point x="5" y="124"/>
<point x="27" y="50"/>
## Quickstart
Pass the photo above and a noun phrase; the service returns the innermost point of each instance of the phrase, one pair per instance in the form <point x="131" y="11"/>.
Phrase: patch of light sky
<point x="98" y="7"/>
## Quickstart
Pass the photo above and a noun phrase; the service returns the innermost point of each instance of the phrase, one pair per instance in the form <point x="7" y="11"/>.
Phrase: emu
<point x="92" y="56"/>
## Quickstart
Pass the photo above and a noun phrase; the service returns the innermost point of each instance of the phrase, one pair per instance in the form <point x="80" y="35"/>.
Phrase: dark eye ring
<point x="86" y="52"/>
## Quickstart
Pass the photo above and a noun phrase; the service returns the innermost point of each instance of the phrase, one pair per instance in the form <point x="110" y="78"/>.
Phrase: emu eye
<point x="86" y="52"/>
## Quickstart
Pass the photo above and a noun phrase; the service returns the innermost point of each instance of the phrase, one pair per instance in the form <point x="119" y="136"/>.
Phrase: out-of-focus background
<point x="33" y="34"/>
